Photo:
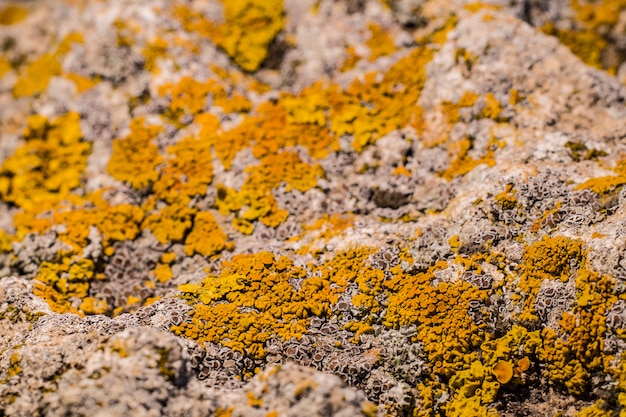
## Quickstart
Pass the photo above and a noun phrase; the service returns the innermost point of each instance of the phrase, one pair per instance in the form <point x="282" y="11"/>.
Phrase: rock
<point x="312" y="208"/>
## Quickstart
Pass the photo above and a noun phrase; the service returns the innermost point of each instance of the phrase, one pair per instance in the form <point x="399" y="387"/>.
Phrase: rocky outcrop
<point x="312" y="208"/>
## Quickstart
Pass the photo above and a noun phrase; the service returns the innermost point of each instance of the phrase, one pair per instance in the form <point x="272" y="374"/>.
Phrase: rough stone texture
<point x="325" y="208"/>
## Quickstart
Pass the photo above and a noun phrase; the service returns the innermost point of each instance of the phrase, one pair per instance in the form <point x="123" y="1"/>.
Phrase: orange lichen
<point x="171" y="223"/>
<point x="492" y="107"/>
<point x="548" y="259"/>
<point x="477" y="383"/>
<point x="153" y="51"/>
<point x="34" y="78"/>
<point x="12" y="14"/>
<point x="82" y="83"/>
<point x="369" y="109"/>
<point x="352" y="58"/>
<point x="251" y="300"/>
<point x="467" y="99"/>
<point x="65" y="280"/>
<point x="440" y="36"/>
<point x="5" y="241"/>
<point x="14" y="367"/>
<point x="602" y="185"/>
<point x="206" y="236"/>
<point x="503" y="371"/>
<point x="248" y="29"/>
<point x="446" y="331"/>
<point x="49" y="165"/>
<point x="506" y="199"/>
<point x="188" y="96"/>
<point x="401" y="170"/>
<point x="380" y="42"/>
<point x="477" y="6"/>
<point x="575" y="352"/>
<point x="323" y="229"/>
<point x="5" y="66"/>
<point x="462" y="162"/>
<point x="187" y="173"/>
<point x="135" y="158"/>
<point x="255" y="199"/>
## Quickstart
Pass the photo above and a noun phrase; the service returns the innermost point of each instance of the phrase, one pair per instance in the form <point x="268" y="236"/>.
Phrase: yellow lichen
<point x="135" y="158"/>
<point x="206" y="236"/>
<point x="248" y="29"/>
<point x="34" y="78"/>
<point x="153" y="51"/>
<point x="65" y="280"/>
<point x="380" y="42"/>
<point x="49" y="165"/>
<point x="14" y="367"/>
<point x="187" y="173"/>
<point x="461" y="162"/>
<point x="251" y="25"/>
<point x="162" y="272"/>
<point x="12" y="14"/>
<point x="548" y="259"/>
<point x="171" y="223"/>
<point x="492" y="107"/>
<point x="369" y="109"/>
<point x="575" y="352"/>
<point x="251" y="300"/>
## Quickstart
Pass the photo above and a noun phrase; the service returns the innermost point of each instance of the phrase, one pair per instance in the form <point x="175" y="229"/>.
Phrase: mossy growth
<point x="580" y="152"/>
<point x="14" y="367"/>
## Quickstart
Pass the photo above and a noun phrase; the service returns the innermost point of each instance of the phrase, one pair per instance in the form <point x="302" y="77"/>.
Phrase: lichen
<point x="380" y="42"/>
<point x="262" y="20"/>
<point x="48" y="166"/>
<point x="135" y="157"/>
<point x="12" y="14"/>
<point x="34" y="78"/>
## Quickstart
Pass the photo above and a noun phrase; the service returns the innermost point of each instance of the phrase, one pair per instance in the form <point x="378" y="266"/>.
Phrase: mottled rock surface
<point x="313" y="208"/>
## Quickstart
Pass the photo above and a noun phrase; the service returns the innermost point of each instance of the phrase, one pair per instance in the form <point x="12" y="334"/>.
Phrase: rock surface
<point x="324" y="208"/>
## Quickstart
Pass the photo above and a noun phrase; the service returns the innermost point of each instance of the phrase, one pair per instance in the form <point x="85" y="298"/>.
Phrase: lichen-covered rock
<point x="388" y="207"/>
